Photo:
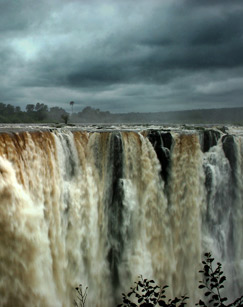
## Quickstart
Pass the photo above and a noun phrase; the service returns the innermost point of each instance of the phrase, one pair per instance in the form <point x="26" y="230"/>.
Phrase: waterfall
<point x="99" y="208"/>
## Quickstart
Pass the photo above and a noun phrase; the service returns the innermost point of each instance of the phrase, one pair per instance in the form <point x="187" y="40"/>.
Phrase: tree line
<point x="33" y="113"/>
<point x="41" y="113"/>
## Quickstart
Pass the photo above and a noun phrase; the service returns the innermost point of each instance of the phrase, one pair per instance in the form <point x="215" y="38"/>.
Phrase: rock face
<point x="210" y="139"/>
<point x="162" y="142"/>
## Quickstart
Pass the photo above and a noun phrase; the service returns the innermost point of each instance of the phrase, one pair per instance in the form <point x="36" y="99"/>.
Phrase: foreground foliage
<point x="146" y="293"/>
<point x="213" y="283"/>
<point x="150" y="295"/>
<point x="81" y="296"/>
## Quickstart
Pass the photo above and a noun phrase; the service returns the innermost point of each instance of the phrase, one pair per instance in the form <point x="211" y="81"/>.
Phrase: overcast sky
<point x="122" y="55"/>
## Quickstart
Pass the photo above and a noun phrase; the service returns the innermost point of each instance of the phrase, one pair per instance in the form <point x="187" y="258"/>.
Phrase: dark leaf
<point x="146" y="305"/>
<point x="175" y="300"/>
<point x="222" y="279"/>
<point x="201" y="303"/>
<point x="223" y="299"/>
<point x="207" y="293"/>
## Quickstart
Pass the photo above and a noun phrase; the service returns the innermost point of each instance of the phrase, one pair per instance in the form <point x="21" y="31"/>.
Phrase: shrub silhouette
<point x="81" y="296"/>
<point x="213" y="283"/>
<point x="147" y="294"/>
<point x="150" y="295"/>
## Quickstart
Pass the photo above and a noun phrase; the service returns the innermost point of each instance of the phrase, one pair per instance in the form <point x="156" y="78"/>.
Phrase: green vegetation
<point x="147" y="294"/>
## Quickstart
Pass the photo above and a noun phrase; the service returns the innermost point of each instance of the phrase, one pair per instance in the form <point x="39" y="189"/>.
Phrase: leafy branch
<point x="213" y="283"/>
<point x="148" y="295"/>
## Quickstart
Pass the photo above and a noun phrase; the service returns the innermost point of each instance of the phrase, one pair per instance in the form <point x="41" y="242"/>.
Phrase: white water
<point x="92" y="208"/>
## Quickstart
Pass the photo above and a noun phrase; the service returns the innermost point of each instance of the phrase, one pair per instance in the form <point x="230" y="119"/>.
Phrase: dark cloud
<point x="122" y="56"/>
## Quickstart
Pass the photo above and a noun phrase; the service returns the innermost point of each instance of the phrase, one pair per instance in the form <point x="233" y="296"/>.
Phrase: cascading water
<point x="101" y="208"/>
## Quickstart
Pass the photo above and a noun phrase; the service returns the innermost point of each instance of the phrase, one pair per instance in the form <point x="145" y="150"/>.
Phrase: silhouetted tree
<point x="65" y="117"/>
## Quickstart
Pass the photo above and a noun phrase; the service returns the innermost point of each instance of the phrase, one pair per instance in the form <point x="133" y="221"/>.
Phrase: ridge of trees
<point x="33" y="113"/>
<point x="41" y="113"/>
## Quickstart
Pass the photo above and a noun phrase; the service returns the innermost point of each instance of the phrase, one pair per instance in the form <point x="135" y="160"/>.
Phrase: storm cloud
<point x="122" y="56"/>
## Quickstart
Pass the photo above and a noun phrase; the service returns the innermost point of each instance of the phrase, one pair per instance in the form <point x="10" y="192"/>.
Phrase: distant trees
<point x="89" y="115"/>
<point x="17" y="109"/>
<point x="37" y="112"/>
<point x="56" y="113"/>
<point x="40" y="112"/>
<point x="30" y="108"/>
<point x="9" y="113"/>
